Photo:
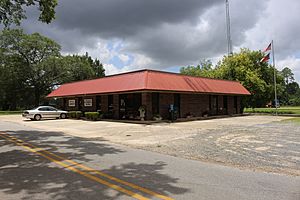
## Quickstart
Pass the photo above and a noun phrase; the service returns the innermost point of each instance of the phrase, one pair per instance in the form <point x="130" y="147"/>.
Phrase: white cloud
<point x="124" y="58"/>
<point x="278" y="22"/>
<point x="111" y="69"/>
<point x="293" y="63"/>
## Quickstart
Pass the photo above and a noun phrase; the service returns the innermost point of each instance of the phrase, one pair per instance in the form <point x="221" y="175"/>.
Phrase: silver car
<point x="42" y="112"/>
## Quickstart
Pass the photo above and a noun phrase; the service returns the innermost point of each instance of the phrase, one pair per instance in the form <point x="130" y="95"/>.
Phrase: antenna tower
<point x="229" y="42"/>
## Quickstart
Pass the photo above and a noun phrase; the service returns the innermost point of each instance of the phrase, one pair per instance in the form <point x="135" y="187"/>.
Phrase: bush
<point x="75" y="114"/>
<point x="108" y="115"/>
<point x="294" y="101"/>
<point x="157" y="117"/>
<point x="93" y="116"/>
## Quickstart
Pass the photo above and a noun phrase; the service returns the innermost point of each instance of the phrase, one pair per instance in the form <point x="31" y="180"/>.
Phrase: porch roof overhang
<point x="150" y="80"/>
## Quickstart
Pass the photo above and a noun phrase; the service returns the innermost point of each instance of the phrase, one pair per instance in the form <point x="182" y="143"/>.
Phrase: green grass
<point x="10" y="112"/>
<point x="281" y="110"/>
<point x="295" y="120"/>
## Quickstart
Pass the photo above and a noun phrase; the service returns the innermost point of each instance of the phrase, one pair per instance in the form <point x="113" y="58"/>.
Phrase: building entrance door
<point x="129" y="105"/>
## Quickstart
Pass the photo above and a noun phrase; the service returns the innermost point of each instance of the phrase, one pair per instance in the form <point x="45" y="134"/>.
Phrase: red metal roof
<point x="150" y="80"/>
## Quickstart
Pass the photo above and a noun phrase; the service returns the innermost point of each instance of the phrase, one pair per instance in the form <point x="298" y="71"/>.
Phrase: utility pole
<point x="229" y="42"/>
<point x="275" y="85"/>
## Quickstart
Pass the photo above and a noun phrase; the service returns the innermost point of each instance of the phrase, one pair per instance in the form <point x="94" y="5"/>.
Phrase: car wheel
<point x="63" y="116"/>
<point x="37" y="117"/>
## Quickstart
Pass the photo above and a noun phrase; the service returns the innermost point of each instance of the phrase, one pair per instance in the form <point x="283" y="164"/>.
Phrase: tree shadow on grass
<point x="26" y="176"/>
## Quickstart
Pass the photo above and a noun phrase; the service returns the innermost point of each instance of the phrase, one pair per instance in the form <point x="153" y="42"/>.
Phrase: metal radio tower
<point x="229" y="42"/>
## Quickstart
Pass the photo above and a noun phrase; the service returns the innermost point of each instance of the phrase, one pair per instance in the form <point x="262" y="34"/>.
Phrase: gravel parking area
<point x="251" y="142"/>
<point x="271" y="147"/>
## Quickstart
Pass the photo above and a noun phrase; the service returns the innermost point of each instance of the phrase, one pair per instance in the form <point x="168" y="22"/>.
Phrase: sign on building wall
<point x="72" y="103"/>
<point x="88" y="102"/>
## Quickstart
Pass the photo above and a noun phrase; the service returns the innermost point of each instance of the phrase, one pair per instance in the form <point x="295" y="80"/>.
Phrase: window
<point x="225" y="102"/>
<point x="155" y="103"/>
<point x="98" y="103"/>
<point x="110" y="103"/>
<point x="235" y="104"/>
<point x="177" y="104"/>
<point x="213" y="104"/>
<point x="43" y="109"/>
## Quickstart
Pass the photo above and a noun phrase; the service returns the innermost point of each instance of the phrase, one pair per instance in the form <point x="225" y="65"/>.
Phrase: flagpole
<point x="275" y="87"/>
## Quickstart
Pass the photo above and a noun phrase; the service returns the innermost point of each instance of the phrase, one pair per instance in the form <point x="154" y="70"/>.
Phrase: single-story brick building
<point x="121" y="96"/>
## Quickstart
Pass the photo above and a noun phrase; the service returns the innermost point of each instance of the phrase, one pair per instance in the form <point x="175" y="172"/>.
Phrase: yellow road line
<point x="113" y="186"/>
<point x="96" y="171"/>
<point x="104" y="175"/>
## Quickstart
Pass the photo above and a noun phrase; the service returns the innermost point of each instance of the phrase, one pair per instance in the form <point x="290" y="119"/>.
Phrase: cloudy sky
<point x="167" y="34"/>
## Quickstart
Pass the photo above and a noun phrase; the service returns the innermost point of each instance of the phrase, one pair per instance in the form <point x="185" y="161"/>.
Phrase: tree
<point x="204" y="69"/>
<point x="96" y="65"/>
<point x="245" y="67"/>
<point x="13" y="11"/>
<point x="31" y="67"/>
<point x="30" y="51"/>
<point x="287" y="75"/>
<point x="78" y="68"/>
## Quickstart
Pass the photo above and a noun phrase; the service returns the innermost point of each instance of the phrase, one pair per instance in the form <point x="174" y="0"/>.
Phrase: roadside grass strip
<point x="281" y="110"/>
<point x="295" y="120"/>
<point x="10" y="112"/>
<point x="86" y="171"/>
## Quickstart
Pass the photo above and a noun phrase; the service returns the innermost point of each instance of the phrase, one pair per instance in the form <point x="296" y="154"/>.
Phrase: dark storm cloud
<point x="183" y="43"/>
<point x="163" y="33"/>
<point x="169" y="32"/>
<point x="79" y="22"/>
<point x="120" y="18"/>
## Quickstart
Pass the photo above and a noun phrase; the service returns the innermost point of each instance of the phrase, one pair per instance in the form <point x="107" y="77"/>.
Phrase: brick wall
<point x="104" y="103"/>
<point x="194" y="104"/>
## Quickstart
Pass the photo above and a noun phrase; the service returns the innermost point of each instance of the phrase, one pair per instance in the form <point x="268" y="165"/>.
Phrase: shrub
<point x="108" y="115"/>
<point x="93" y="116"/>
<point x="75" y="114"/>
<point x="157" y="117"/>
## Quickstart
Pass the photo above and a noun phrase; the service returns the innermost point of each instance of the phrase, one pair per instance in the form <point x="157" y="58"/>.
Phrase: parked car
<point x="43" y="112"/>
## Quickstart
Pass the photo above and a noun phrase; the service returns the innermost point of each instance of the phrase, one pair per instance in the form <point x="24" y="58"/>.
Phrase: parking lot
<point x="263" y="143"/>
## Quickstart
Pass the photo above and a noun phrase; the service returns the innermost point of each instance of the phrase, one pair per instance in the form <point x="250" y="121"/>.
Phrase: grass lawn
<point x="294" y="120"/>
<point x="281" y="110"/>
<point x="10" y="112"/>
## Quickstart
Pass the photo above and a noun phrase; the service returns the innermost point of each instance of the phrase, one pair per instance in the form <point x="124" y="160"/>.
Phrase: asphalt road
<point x="35" y="164"/>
